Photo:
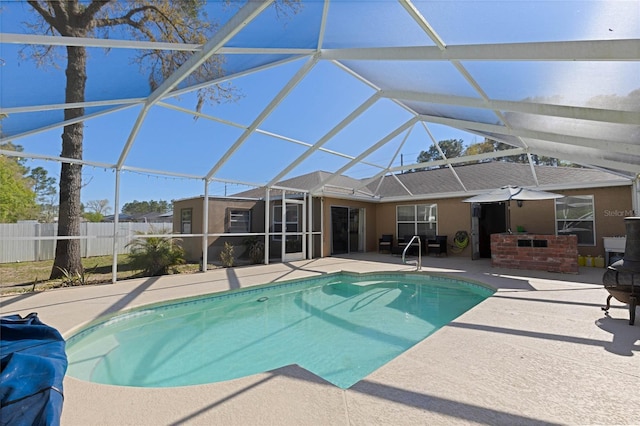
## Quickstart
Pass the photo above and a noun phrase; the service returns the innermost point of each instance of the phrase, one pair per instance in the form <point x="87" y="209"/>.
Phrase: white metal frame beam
<point x="589" y="50"/>
<point x="260" y="131"/>
<point x="63" y="41"/>
<point x="608" y="146"/>
<point x="366" y="153"/>
<point x="63" y="123"/>
<point x="444" y="157"/>
<point x="579" y="158"/>
<point x="415" y="14"/>
<point x="245" y="15"/>
<point x="563" y="111"/>
<point x="324" y="139"/>
<point x="295" y="80"/>
<point x="456" y="160"/>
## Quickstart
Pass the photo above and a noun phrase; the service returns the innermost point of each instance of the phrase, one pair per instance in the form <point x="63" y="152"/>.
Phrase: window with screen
<point x="418" y="219"/>
<point x="238" y="220"/>
<point x="575" y="215"/>
<point x="185" y="220"/>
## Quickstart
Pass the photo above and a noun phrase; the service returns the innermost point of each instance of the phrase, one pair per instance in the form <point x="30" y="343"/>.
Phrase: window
<point x="238" y="220"/>
<point x="575" y="216"/>
<point x="185" y="221"/>
<point x="420" y="219"/>
<point x="291" y="218"/>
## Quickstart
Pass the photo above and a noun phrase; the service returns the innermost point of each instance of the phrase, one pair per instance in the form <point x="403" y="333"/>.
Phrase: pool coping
<point x="537" y="351"/>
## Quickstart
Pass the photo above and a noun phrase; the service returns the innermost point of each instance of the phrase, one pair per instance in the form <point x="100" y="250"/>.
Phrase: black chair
<point x="437" y="245"/>
<point x="385" y="243"/>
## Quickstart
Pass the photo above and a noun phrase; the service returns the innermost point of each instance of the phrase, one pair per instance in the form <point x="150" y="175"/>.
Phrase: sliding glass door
<point x="347" y="230"/>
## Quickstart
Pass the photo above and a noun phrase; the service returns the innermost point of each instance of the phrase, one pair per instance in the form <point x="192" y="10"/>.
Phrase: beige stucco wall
<point x="612" y="204"/>
<point x="536" y="217"/>
<point x="371" y="237"/>
<point x="217" y="216"/>
<point x="453" y="216"/>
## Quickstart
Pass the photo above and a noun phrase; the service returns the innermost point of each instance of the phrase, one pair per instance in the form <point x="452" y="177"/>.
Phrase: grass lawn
<point x="33" y="276"/>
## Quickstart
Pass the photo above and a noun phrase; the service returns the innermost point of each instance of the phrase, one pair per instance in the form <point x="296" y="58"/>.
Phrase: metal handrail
<point x="404" y="252"/>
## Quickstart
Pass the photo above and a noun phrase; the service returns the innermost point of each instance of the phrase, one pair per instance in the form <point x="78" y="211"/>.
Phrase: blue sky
<point x="174" y="141"/>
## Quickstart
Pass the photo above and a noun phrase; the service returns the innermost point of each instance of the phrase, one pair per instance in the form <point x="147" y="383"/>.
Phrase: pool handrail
<point x="404" y="252"/>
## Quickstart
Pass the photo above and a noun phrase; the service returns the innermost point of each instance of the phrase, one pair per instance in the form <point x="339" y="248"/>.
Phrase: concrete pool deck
<point x="540" y="351"/>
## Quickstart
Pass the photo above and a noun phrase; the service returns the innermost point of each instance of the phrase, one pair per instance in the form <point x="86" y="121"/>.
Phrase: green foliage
<point x="451" y="148"/>
<point x="227" y="256"/>
<point x="255" y="249"/>
<point x="155" y="255"/>
<point x="70" y="279"/>
<point x="93" y="216"/>
<point x="43" y="185"/>
<point x="140" y="207"/>
<point x="480" y="148"/>
<point x="17" y="200"/>
<point x="489" y="145"/>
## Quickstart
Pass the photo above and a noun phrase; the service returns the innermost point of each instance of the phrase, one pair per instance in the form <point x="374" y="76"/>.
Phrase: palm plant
<point x="255" y="249"/>
<point x="155" y="255"/>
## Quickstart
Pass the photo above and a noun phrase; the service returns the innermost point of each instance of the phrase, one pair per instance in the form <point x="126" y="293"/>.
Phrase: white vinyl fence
<point x="19" y="241"/>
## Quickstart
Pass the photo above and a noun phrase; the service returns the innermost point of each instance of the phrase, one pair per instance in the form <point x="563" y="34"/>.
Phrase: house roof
<point x="464" y="180"/>
<point x="309" y="181"/>
<point x="346" y="87"/>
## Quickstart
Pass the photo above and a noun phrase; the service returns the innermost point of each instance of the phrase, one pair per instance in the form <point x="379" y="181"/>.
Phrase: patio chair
<point x="437" y="245"/>
<point x="385" y="243"/>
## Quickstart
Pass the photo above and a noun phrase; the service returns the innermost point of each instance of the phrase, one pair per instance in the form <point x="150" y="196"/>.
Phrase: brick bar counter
<point x="553" y="253"/>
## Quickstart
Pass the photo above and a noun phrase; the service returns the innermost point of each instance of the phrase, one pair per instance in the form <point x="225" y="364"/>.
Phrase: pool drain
<point x="263" y="299"/>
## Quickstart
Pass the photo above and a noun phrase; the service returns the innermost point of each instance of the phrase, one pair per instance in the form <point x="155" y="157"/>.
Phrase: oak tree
<point x="172" y="21"/>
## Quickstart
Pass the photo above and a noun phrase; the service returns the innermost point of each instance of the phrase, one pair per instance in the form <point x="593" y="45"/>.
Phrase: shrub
<point x="226" y="255"/>
<point x="155" y="255"/>
<point x="255" y="249"/>
<point x="69" y="279"/>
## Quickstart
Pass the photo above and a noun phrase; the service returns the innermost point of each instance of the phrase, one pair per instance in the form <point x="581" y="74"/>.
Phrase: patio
<point x="540" y="351"/>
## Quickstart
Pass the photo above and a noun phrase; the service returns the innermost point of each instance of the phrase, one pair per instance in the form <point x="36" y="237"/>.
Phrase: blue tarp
<point x="32" y="368"/>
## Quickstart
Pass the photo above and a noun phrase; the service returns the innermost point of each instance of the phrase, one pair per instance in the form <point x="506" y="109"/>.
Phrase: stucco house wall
<point x="218" y="216"/>
<point x="611" y="204"/>
<point x="453" y="216"/>
<point x="371" y="237"/>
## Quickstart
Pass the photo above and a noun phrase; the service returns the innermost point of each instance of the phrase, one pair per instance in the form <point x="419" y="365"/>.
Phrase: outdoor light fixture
<point x="520" y="202"/>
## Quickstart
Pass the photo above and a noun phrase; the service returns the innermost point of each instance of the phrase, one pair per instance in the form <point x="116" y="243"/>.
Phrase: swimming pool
<point x="340" y="327"/>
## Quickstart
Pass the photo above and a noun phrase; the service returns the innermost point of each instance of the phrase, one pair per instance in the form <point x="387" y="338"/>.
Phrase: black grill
<point x="620" y="278"/>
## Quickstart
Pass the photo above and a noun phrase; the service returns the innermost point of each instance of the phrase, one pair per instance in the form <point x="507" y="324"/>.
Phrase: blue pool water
<point x="341" y="327"/>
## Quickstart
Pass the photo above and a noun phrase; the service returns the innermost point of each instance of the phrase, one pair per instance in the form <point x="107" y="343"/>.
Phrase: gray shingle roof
<point x="476" y="177"/>
<point x="307" y="182"/>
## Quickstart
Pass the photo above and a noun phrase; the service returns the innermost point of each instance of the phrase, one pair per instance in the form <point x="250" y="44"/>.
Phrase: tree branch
<point x="91" y="11"/>
<point x="44" y="13"/>
<point x="126" y="19"/>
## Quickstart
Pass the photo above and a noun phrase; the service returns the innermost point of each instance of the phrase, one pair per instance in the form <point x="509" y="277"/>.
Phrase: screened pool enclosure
<point x="353" y="88"/>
